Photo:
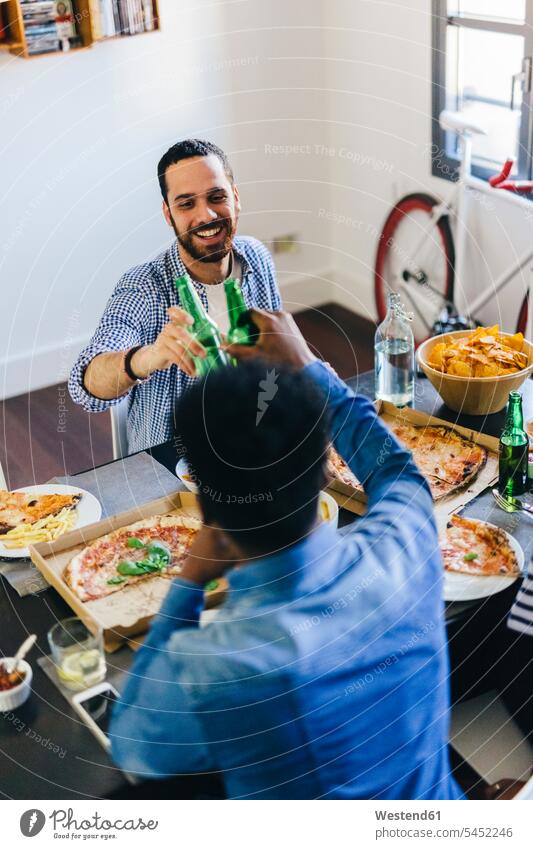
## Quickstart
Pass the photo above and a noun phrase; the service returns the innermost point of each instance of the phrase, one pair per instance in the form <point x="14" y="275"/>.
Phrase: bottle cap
<point x="396" y="304"/>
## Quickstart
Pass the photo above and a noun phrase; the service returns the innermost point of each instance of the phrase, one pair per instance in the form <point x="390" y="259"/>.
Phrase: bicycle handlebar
<point x="496" y="179"/>
<point x="500" y="181"/>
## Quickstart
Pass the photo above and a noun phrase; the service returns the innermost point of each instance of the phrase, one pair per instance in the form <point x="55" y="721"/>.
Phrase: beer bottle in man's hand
<point x="204" y="329"/>
<point x="242" y="330"/>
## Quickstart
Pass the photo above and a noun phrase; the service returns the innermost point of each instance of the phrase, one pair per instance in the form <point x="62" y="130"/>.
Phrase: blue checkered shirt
<point x="135" y="315"/>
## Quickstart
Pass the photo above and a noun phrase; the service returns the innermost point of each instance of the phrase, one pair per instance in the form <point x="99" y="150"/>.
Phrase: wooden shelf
<point x="13" y="27"/>
<point x="16" y="43"/>
<point x="8" y="44"/>
<point x="57" y="52"/>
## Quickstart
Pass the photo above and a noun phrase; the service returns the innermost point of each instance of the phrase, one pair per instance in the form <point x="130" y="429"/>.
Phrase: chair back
<point x="119" y="429"/>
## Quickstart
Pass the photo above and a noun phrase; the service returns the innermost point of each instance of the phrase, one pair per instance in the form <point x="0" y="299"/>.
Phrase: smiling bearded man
<point x="142" y="349"/>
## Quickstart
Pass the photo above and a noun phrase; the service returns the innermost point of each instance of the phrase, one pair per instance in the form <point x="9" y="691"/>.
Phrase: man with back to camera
<point x="142" y="347"/>
<point x="324" y="674"/>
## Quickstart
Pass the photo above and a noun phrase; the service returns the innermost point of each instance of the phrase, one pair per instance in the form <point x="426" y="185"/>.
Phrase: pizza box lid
<point x="128" y="612"/>
<point x="355" y="499"/>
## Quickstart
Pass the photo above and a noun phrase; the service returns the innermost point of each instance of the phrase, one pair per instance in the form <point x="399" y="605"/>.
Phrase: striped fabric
<point x="521" y="616"/>
<point x="135" y="315"/>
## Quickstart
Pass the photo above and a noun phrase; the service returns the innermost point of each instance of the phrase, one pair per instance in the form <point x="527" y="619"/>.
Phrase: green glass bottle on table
<point x="204" y="329"/>
<point x="242" y="330"/>
<point x="514" y="445"/>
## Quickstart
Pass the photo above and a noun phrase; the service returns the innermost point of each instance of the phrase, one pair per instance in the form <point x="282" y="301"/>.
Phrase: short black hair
<point x="256" y="438"/>
<point x="186" y="150"/>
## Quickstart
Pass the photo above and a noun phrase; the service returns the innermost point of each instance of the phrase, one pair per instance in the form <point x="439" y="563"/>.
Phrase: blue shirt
<point x="325" y="672"/>
<point x="136" y="314"/>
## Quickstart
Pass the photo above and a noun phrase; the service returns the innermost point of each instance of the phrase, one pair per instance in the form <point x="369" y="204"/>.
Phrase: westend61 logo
<point x="65" y="825"/>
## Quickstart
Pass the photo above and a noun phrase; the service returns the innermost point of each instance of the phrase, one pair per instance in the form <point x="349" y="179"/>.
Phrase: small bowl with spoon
<point x="16" y="677"/>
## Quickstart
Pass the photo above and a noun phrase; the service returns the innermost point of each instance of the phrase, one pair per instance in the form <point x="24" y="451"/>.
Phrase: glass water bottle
<point x="394" y="355"/>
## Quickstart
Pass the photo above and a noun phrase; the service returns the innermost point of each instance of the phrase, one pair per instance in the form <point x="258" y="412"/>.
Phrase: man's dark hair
<point x="186" y="150"/>
<point x="255" y="438"/>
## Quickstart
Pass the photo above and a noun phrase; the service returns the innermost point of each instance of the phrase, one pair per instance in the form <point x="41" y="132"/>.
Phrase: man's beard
<point x="208" y="253"/>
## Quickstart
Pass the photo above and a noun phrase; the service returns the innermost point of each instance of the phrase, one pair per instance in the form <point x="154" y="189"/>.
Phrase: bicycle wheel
<point x="521" y="324"/>
<point x="420" y="269"/>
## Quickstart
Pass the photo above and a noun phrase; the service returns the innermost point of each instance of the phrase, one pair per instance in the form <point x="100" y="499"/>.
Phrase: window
<point x="482" y="67"/>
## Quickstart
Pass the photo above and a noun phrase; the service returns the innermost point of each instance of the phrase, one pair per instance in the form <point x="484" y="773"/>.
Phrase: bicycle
<point x="417" y="254"/>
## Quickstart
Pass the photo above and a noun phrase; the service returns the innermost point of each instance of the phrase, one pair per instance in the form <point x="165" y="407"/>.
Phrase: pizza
<point x="448" y="461"/>
<point x="338" y="469"/>
<point x="477" y="548"/>
<point x="25" y="508"/>
<point x="154" y="546"/>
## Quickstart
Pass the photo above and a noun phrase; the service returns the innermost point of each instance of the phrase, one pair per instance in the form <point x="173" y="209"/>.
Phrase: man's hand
<point x="174" y="346"/>
<point x="211" y="554"/>
<point x="105" y="377"/>
<point x="279" y="341"/>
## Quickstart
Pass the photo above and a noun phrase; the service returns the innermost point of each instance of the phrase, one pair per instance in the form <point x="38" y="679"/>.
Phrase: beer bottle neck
<point x="189" y="299"/>
<point x="235" y="301"/>
<point x="515" y="417"/>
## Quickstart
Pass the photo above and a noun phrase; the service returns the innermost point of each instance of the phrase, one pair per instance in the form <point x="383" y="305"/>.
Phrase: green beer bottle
<point x="242" y="330"/>
<point x="204" y="329"/>
<point x="514" y="446"/>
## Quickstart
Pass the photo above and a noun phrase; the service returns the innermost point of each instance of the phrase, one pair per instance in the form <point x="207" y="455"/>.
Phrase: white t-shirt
<point x="216" y="298"/>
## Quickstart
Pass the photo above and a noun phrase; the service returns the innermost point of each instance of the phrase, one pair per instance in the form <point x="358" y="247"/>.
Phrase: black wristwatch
<point x="127" y="365"/>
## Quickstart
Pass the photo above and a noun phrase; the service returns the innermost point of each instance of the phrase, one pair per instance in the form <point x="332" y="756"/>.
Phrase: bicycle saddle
<point x="459" y="123"/>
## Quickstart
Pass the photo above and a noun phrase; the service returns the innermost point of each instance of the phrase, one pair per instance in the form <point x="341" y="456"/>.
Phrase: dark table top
<point x="45" y="751"/>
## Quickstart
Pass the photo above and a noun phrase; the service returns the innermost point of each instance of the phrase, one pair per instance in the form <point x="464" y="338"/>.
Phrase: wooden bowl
<point x="474" y="396"/>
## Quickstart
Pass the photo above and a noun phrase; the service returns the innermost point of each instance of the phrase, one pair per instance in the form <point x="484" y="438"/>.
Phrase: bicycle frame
<point x="456" y="209"/>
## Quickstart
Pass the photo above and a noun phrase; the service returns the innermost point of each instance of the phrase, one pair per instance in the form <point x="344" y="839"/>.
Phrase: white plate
<point x="182" y="472"/>
<point x="88" y="510"/>
<point x="462" y="587"/>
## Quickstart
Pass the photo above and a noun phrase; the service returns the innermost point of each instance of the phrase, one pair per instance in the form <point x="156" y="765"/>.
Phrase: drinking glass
<point x="78" y="654"/>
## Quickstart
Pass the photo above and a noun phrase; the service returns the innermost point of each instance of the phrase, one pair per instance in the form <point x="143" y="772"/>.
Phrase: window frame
<point x="444" y="162"/>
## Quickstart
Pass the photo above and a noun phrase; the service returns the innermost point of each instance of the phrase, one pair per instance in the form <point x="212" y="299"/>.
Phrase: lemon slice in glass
<point x="79" y="666"/>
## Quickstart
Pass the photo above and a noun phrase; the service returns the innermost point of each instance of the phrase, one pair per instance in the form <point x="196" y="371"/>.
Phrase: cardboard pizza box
<point x="355" y="499"/>
<point x="127" y="612"/>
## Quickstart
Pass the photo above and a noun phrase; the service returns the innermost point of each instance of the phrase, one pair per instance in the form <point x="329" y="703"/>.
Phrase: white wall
<point x="81" y="137"/>
<point x="377" y="60"/>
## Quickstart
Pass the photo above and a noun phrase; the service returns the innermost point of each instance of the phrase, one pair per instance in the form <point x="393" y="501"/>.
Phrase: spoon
<point x="23" y="650"/>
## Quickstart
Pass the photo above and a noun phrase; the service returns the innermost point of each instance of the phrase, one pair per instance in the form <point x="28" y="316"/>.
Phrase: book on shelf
<point x="117" y="23"/>
<point x="64" y="18"/>
<point x="40" y="27"/>
<point x="107" y="23"/>
<point x="96" y="21"/>
<point x="125" y="17"/>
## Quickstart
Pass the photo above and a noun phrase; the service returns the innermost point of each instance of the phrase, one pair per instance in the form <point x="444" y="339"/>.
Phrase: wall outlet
<point x="286" y="244"/>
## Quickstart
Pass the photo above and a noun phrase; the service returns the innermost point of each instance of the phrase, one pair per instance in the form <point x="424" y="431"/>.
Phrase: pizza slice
<point x="447" y="460"/>
<point x="154" y="546"/>
<point x="338" y="469"/>
<point x="477" y="548"/>
<point x="25" y="508"/>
